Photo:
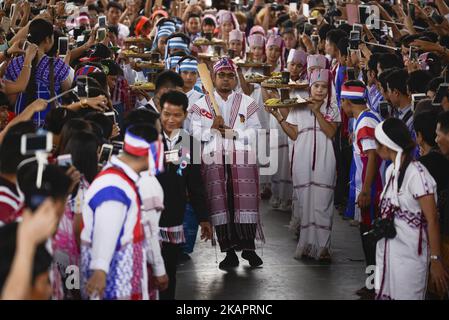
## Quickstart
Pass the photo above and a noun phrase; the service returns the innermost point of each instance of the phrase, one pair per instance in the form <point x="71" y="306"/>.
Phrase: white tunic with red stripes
<point x="314" y="175"/>
<point x="239" y="112"/>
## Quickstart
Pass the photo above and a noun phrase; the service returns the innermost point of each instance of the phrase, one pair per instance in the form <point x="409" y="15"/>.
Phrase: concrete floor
<point x="281" y="277"/>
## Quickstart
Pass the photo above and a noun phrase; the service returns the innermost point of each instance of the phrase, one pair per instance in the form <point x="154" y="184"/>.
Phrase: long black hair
<point x="398" y="132"/>
<point x="39" y="30"/>
<point x="83" y="148"/>
<point x="68" y="130"/>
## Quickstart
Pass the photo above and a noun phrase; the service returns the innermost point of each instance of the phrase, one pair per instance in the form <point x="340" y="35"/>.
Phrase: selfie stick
<point x="42" y="160"/>
<point x="380" y="45"/>
<point x="399" y="24"/>
<point x="60" y="95"/>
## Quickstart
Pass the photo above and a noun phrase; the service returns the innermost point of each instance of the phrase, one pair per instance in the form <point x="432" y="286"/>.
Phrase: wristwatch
<point x="438" y="258"/>
<point x="83" y="103"/>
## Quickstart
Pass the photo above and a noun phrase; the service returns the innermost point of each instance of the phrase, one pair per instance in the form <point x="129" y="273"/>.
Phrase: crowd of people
<point x="128" y="125"/>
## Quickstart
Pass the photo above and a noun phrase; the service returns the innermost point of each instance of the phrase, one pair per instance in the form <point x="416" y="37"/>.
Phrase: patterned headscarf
<point x="277" y="41"/>
<point x="224" y="64"/>
<point x="187" y="64"/>
<point x="165" y="29"/>
<point x="85" y="70"/>
<point x="176" y="43"/>
<point x="319" y="75"/>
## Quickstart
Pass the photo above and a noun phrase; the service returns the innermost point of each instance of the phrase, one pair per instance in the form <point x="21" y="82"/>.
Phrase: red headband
<point x="140" y="24"/>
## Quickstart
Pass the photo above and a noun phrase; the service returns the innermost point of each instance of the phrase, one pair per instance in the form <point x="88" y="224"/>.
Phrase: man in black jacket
<point x="181" y="182"/>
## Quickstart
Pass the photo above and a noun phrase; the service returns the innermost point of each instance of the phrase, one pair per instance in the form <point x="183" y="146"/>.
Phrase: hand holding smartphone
<point x="101" y="34"/>
<point x="63" y="46"/>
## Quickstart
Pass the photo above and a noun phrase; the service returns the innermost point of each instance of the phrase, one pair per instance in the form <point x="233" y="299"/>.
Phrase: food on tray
<point x="276" y="74"/>
<point x="274" y="81"/>
<point x="137" y="40"/>
<point x="206" y="42"/>
<point x="254" y="76"/>
<point x="290" y="101"/>
<point x="201" y="42"/>
<point x="127" y="52"/>
<point x="272" y="102"/>
<point x="147" y="86"/>
<point x="299" y="83"/>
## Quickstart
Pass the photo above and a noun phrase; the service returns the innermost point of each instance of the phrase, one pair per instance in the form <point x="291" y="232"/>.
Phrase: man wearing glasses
<point x="229" y="168"/>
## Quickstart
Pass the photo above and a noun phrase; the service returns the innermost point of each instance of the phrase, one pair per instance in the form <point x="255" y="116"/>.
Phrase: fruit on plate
<point x="272" y="102"/>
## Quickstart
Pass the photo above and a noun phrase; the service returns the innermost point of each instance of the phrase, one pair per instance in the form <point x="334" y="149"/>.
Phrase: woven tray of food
<point x="144" y="86"/>
<point x="289" y="103"/>
<point x="255" y="78"/>
<point x="274" y="84"/>
<point x="299" y="85"/>
<point x="133" y="54"/>
<point x="134" y="40"/>
<point x="205" y="42"/>
<point x="150" y="65"/>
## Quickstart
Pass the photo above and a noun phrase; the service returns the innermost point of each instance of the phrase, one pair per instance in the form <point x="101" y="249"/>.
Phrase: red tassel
<point x="420" y="237"/>
<point x="314" y="145"/>
<point x="291" y="162"/>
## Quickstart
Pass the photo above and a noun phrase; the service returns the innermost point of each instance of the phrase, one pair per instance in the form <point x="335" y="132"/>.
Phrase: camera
<point x="351" y="73"/>
<point x="382" y="228"/>
<point x="385" y="109"/>
<point x="102" y="21"/>
<point x="416" y="98"/>
<point x="308" y="28"/>
<point x="315" y="41"/>
<point x="276" y="7"/>
<point x="36" y="142"/>
<point x="354" y="40"/>
<point x="111" y="116"/>
<point x="105" y="153"/>
<point x="413" y="54"/>
<point x="442" y="92"/>
<point x="117" y="147"/>
<point x="64" y="161"/>
<point x="63" y="46"/>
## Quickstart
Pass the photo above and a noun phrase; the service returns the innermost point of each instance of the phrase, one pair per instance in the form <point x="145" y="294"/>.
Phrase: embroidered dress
<point x="364" y="140"/>
<point x="403" y="262"/>
<point x="65" y="248"/>
<point x="42" y="75"/>
<point x="314" y="175"/>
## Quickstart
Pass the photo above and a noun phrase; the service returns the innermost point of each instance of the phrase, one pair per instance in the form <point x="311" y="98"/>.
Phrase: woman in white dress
<point x="314" y="165"/>
<point x="409" y="199"/>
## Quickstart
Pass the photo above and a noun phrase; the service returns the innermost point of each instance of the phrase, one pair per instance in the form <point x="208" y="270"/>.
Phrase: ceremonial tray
<point x="145" y="86"/>
<point x="299" y="103"/>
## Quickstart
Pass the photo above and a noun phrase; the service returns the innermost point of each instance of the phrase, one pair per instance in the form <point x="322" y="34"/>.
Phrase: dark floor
<point x="281" y="276"/>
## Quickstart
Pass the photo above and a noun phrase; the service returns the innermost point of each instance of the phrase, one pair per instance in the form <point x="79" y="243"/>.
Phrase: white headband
<point x="382" y="137"/>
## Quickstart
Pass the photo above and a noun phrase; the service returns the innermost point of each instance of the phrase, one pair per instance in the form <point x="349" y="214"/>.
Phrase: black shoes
<point x="231" y="261"/>
<point x="252" y="257"/>
<point x="366" y="294"/>
<point x="183" y="258"/>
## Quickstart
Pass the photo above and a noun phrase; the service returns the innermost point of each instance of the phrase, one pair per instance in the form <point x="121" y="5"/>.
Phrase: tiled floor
<point x="281" y="276"/>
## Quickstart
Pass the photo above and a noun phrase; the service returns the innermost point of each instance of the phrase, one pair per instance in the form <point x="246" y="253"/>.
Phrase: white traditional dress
<point x="314" y="176"/>
<point x="403" y="262"/>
